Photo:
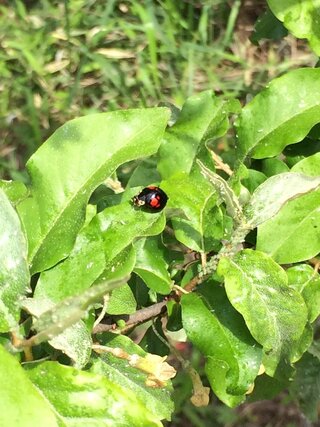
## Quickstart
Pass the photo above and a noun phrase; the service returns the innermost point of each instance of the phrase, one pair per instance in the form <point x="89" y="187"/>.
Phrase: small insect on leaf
<point x="152" y="198"/>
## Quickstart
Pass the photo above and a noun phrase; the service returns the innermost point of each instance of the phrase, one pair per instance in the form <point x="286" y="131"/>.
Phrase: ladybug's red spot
<point x="155" y="202"/>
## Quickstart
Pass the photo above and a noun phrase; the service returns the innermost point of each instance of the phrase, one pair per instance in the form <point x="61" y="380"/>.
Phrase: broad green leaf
<point x="306" y="385"/>
<point x="306" y="281"/>
<point x="119" y="266"/>
<point x="70" y="165"/>
<point x="219" y="332"/>
<point x="280" y="115"/>
<point x="85" y="399"/>
<point x="15" y="190"/>
<point x="301" y="18"/>
<point x="69" y="311"/>
<point x="274" y="166"/>
<point x="14" y="273"/>
<point x="203" y="225"/>
<point x="200" y="118"/>
<point x="158" y="400"/>
<point x="21" y="404"/>
<point x="76" y="273"/>
<point x="120" y="225"/>
<point x="293" y="235"/>
<point x="309" y="166"/>
<point x="274" y="193"/>
<point x="152" y="266"/>
<point x="274" y="312"/>
<point x="122" y="301"/>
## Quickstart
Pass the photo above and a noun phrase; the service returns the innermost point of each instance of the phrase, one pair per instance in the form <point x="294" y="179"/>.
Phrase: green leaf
<point x="121" y="265"/>
<point x="307" y="282"/>
<point x="274" y="312"/>
<point x="273" y="166"/>
<point x="122" y="301"/>
<point x="157" y="400"/>
<point x="293" y="235"/>
<point x="21" y="404"/>
<point x="199" y="119"/>
<point x="70" y="165"/>
<point x="15" y="190"/>
<point x="85" y="399"/>
<point x="152" y="266"/>
<point x="301" y="18"/>
<point x="14" y="273"/>
<point x="219" y="332"/>
<point x="120" y="225"/>
<point x="306" y="385"/>
<point x="203" y="225"/>
<point x="271" y="196"/>
<point x="76" y="273"/>
<point x="280" y="115"/>
<point x="309" y="166"/>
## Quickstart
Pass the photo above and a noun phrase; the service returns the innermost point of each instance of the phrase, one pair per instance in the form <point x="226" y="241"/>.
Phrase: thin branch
<point x="136" y="318"/>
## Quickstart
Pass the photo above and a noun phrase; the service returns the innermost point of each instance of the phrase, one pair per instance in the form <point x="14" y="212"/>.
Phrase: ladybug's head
<point x="138" y="201"/>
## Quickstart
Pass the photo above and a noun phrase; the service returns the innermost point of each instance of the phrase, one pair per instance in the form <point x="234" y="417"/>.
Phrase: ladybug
<point x="151" y="197"/>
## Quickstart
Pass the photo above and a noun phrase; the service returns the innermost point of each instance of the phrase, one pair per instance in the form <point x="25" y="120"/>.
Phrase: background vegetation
<point x="64" y="59"/>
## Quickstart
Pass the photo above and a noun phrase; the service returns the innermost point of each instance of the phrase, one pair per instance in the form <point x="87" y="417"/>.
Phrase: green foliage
<point x="232" y="356"/>
<point x="14" y="273"/>
<point x="82" y="266"/>
<point x="270" y="121"/>
<point x="300" y="18"/>
<point x="21" y="404"/>
<point x="62" y="60"/>
<point x="81" y="398"/>
<point x="258" y="288"/>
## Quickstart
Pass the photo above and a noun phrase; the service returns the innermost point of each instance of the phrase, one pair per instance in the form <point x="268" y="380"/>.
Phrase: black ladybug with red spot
<point x="152" y="198"/>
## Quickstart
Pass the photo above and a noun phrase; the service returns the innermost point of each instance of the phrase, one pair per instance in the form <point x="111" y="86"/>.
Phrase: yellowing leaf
<point x="158" y="370"/>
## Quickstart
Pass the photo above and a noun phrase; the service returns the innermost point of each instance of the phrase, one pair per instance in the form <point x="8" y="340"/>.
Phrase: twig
<point x="134" y="319"/>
